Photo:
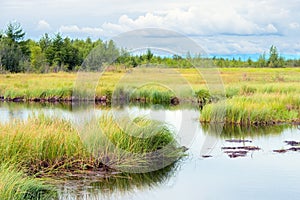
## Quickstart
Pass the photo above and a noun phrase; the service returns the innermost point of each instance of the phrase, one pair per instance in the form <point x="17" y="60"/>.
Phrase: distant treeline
<point x="53" y="54"/>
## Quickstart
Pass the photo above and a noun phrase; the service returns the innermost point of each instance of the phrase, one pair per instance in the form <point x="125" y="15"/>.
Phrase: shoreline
<point x="103" y="100"/>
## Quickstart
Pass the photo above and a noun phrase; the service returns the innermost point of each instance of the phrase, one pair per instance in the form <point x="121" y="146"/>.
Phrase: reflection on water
<point x="260" y="174"/>
<point x="232" y="131"/>
<point x="21" y="111"/>
<point x="117" y="185"/>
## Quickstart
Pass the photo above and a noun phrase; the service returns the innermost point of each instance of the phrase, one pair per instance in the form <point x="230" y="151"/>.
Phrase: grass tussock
<point x="17" y="186"/>
<point x="126" y="144"/>
<point x="149" y="94"/>
<point x="42" y="146"/>
<point x="139" y="136"/>
<point x="258" y="109"/>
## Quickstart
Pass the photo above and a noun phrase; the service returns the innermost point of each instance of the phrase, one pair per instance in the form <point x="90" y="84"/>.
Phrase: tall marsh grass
<point x="15" y="185"/>
<point x="153" y="95"/>
<point x="43" y="146"/>
<point x="254" y="109"/>
<point x="126" y="144"/>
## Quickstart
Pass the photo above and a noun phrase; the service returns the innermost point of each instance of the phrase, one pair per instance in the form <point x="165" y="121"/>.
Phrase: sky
<point x="229" y="27"/>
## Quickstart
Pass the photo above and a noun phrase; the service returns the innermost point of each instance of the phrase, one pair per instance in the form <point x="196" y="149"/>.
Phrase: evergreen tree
<point x="14" y="32"/>
<point x="274" y="59"/>
<point x="262" y="61"/>
<point x="10" y="55"/>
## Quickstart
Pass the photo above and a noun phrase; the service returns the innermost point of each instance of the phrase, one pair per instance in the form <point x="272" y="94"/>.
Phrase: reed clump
<point x="257" y="109"/>
<point x="43" y="147"/>
<point x="16" y="185"/>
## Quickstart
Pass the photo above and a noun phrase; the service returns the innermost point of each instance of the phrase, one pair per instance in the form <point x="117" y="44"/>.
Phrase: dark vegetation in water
<point x="240" y="137"/>
<point x="292" y="143"/>
<point x="238" y="140"/>
<point x="294" y="146"/>
<point x="240" y="151"/>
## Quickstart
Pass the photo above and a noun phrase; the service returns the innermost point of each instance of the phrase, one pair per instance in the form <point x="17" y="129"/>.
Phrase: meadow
<point x="253" y="96"/>
<point x="61" y="84"/>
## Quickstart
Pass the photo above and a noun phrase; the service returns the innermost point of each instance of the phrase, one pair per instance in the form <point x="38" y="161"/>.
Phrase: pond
<point x="239" y="163"/>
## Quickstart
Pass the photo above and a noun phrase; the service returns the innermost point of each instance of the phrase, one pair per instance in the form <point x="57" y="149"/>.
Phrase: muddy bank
<point x="174" y="101"/>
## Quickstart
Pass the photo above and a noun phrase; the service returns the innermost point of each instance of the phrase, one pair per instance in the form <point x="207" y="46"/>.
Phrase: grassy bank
<point x="44" y="147"/>
<point x="254" y="96"/>
<point x="257" y="109"/>
<point x="60" y="87"/>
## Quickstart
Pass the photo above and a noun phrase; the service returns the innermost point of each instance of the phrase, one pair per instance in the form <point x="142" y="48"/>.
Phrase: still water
<point x="210" y="171"/>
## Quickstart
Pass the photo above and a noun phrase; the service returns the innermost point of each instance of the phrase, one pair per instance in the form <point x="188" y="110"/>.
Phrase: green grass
<point x="147" y="94"/>
<point x="44" y="147"/>
<point x="249" y="91"/>
<point x="123" y="144"/>
<point x="259" y="109"/>
<point x="36" y="84"/>
<point x="257" y="96"/>
<point x="15" y="185"/>
<point x="41" y="145"/>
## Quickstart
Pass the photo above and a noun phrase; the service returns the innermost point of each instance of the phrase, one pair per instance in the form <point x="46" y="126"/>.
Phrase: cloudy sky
<point x="218" y="26"/>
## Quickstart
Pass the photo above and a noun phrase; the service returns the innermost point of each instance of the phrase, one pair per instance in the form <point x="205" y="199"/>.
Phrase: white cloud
<point x="191" y="21"/>
<point x="224" y="25"/>
<point x="270" y="28"/>
<point x="43" y="25"/>
<point x="87" y="30"/>
<point x="294" y="25"/>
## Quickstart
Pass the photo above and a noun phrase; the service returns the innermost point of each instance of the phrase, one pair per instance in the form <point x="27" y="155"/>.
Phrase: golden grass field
<point x="61" y="84"/>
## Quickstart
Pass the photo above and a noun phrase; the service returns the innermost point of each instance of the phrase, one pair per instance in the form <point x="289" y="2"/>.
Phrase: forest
<point x="57" y="53"/>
